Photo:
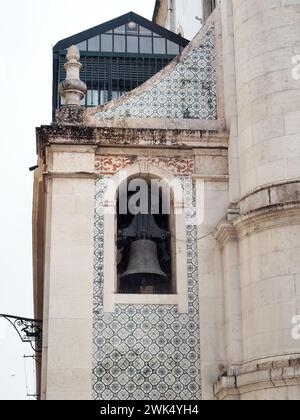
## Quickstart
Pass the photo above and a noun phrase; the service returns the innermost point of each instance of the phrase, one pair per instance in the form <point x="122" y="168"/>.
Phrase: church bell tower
<point x="166" y="221"/>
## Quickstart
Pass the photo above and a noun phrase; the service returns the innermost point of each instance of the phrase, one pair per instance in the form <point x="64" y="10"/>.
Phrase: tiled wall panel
<point x="145" y="352"/>
<point x="188" y="90"/>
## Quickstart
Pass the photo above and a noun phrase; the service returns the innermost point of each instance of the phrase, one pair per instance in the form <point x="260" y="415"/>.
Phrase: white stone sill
<point x="165" y="300"/>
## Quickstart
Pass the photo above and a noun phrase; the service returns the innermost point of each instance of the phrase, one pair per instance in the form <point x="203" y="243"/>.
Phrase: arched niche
<point x="178" y="225"/>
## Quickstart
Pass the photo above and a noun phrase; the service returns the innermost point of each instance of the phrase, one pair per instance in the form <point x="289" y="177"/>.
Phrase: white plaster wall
<point x="267" y="37"/>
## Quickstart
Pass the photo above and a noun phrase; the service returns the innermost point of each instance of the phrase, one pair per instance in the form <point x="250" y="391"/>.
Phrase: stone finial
<point x="72" y="90"/>
<point x="73" y="54"/>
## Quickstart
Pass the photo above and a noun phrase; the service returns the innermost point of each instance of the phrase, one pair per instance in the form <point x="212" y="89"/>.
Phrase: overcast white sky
<point x="28" y="30"/>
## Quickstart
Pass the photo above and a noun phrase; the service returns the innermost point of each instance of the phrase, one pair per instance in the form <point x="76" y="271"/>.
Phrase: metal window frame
<point x="114" y="23"/>
<point x="59" y="50"/>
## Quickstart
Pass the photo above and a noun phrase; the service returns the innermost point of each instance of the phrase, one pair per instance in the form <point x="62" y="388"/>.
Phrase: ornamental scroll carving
<point x="109" y="165"/>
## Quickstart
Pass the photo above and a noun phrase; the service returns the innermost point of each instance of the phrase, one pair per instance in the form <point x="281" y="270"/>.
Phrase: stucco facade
<point x="223" y="120"/>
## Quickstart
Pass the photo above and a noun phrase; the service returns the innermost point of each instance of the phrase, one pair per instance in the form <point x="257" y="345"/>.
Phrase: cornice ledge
<point x="281" y="192"/>
<point x="266" y="217"/>
<point x="265" y="375"/>
<point x="225" y="232"/>
<point x="226" y="389"/>
<point x="211" y="178"/>
<point x="79" y="175"/>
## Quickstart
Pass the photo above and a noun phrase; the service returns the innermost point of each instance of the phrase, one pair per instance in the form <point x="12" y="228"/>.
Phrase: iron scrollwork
<point x="29" y="330"/>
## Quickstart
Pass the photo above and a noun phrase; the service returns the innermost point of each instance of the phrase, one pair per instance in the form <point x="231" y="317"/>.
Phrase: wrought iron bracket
<point x="29" y="330"/>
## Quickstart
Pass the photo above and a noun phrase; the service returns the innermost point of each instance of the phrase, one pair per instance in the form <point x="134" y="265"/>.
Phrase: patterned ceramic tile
<point x="145" y="352"/>
<point x="187" y="91"/>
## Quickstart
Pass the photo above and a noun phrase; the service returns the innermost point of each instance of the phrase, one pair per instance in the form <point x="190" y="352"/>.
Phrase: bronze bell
<point x="143" y="268"/>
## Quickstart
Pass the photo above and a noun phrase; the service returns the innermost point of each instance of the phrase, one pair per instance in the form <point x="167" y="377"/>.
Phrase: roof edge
<point x="106" y="26"/>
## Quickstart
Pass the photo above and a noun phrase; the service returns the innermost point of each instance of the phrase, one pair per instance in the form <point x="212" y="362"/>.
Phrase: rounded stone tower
<point x="267" y="44"/>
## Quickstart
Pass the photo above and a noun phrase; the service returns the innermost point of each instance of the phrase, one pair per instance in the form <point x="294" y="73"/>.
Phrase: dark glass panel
<point x="119" y="43"/>
<point x="144" y="31"/>
<point x="120" y="30"/>
<point x="94" y="44"/>
<point x="82" y="46"/>
<point x="103" y="97"/>
<point x="159" y="46"/>
<point x="172" y="47"/>
<point x="92" y="98"/>
<point x="106" y="43"/>
<point x="145" y="45"/>
<point x="132" y="44"/>
<point x="115" y="94"/>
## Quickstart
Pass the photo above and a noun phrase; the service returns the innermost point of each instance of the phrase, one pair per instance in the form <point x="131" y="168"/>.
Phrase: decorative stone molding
<point x="267" y="218"/>
<point x="270" y="195"/>
<point x="225" y="389"/>
<point x="233" y="211"/>
<point x="255" y="377"/>
<point x="225" y="232"/>
<point x="176" y="137"/>
<point x="109" y="165"/>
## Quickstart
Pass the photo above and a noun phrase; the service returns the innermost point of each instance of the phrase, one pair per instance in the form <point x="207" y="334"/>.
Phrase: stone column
<point x="267" y="37"/>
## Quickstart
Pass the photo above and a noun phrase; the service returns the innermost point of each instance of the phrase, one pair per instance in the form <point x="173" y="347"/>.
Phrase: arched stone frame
<point x="110" y="296"/>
